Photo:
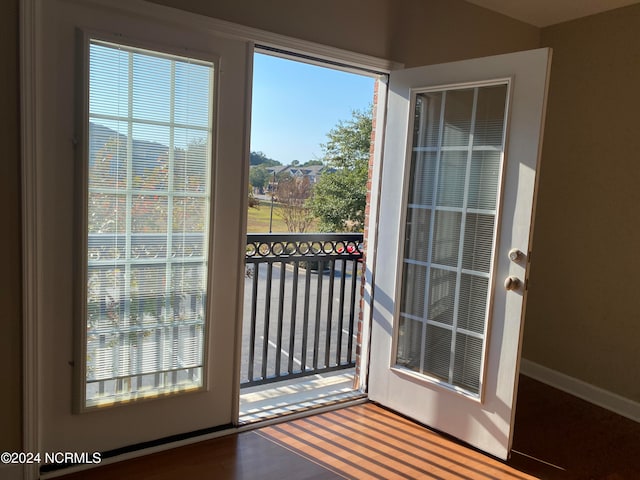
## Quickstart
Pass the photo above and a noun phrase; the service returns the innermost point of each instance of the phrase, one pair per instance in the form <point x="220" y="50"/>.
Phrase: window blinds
<point x="149" y="177"/>
<point x="450" y="229"/>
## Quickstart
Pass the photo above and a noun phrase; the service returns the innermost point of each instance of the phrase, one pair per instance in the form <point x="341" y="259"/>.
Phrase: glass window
<point x="149" y="163"/>
<point x="450" y="228"/>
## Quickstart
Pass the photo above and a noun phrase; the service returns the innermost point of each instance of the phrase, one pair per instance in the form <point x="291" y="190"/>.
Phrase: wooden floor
<point x="556" y="437"/>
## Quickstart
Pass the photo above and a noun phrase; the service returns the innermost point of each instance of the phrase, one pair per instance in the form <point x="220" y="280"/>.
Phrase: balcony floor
<point x="267" y="401"/>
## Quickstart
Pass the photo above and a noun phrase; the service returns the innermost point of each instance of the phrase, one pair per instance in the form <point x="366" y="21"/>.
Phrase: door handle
<point x="512" y="283"/>
<point x="515" y="255"/>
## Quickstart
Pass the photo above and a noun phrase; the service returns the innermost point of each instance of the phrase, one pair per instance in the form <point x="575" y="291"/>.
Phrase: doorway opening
<point x="311" y="148"/>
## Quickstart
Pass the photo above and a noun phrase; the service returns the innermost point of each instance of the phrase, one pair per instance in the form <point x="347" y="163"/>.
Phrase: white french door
<point x="141" y="187"/>
<point x="457" y="195"/>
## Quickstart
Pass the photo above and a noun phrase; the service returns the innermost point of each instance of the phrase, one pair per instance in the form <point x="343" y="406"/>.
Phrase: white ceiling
<point x="542" y="13"/>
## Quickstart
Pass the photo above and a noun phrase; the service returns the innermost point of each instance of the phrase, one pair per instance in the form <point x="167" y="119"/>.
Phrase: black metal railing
<point x="300" y="305"/>
<point x="145" y="312"/>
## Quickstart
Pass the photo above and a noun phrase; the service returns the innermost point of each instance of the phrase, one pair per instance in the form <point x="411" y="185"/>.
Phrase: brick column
<point x="357" y="382"/>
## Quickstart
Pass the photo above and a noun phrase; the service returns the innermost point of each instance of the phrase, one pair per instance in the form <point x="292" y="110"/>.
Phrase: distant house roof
<point x="277" y="169"/>
<point x="317" y="169"/>
<point x="312" y="171"/>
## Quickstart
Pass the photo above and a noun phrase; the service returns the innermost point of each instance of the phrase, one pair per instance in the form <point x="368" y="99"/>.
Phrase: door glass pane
<point x="413" y="299"/>
<point x="148" y="222"/>
<point x="473" y="295"/>
<point x="423" y="171"/>
<point x="426" y="129"/>
<point x="409" y="343"/>
<point x="489" y="117"/>
<point x="451" y="178"/>
<point x="446" y="238"/>
<point x="458" y="112"/>
<point x="478" y="242"/>
<point x="417" y="238"/>
<point x="442" y="295"/>
<point x="450" y="230"/>
<point x="437" y="351"/>
<point x="467" y="361"/>
<point x="483" y="180"/>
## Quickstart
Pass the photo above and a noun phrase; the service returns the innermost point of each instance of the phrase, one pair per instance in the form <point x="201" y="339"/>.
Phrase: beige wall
<point x="427" y="32"/>
<point x="583" y="314"/>
<point x="357" y="25"/>
<point x="10" y="239"/>
<point x="413" y="32"/>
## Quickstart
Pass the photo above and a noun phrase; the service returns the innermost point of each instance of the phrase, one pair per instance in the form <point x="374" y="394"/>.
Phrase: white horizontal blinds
<point x="149" y="168"/>
<point x="458" y="141"/>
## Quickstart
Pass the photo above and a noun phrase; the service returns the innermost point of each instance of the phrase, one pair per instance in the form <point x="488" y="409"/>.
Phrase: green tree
<point x="340" y="196"/>
<point x="259" y="158"/>
<point x="311" y="163"/>
<point x="259" y="177"/>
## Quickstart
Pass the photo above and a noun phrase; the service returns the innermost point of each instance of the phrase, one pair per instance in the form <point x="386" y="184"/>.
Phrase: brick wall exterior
<point x="361" y="320"/>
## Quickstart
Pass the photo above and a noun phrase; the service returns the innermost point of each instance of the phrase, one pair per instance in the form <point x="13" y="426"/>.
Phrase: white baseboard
<point x="590" y="393"/>
<point x="11" y="472"/>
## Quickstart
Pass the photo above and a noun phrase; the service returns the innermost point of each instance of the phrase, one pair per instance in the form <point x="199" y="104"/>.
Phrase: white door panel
<point x="457" y="194"/>
<point x="62" y="133"/>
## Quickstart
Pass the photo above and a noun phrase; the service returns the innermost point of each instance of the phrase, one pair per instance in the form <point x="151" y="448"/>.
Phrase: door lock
<point x="512" y="283"/>
<point x="515" y="255"/>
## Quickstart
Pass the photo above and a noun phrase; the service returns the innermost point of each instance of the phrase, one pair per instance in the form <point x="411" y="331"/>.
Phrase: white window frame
<point x="82" y="185"/>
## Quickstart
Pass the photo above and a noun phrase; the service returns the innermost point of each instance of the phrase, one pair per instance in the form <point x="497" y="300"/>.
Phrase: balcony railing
<point x="145" y="313"/>
<point x="300" y="305"/>
<point x="299" y="312"/>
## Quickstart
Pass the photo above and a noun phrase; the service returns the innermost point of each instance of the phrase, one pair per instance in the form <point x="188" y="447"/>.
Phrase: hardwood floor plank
<point x="398" y="430"/>
<point x="412" y="463"/>
<point x="246" y="456"/>
<point x="387" y="445"/>
<point x="557" y="437"/>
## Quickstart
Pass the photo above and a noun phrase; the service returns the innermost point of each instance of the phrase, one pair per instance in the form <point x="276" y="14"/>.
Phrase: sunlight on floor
<point x="267" y="401"/>
<point x="367" y="441"/>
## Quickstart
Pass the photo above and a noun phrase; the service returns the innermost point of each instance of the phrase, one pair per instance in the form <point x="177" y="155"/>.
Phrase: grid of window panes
<point x="457" y="153"/>
<point x="149" y="167"/>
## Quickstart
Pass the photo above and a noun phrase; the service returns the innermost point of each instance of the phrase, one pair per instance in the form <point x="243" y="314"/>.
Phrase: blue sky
<point x="296" y="104"/>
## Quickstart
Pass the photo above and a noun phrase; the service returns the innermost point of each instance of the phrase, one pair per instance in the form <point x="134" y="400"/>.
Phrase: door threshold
<point x="266" y="402"/>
